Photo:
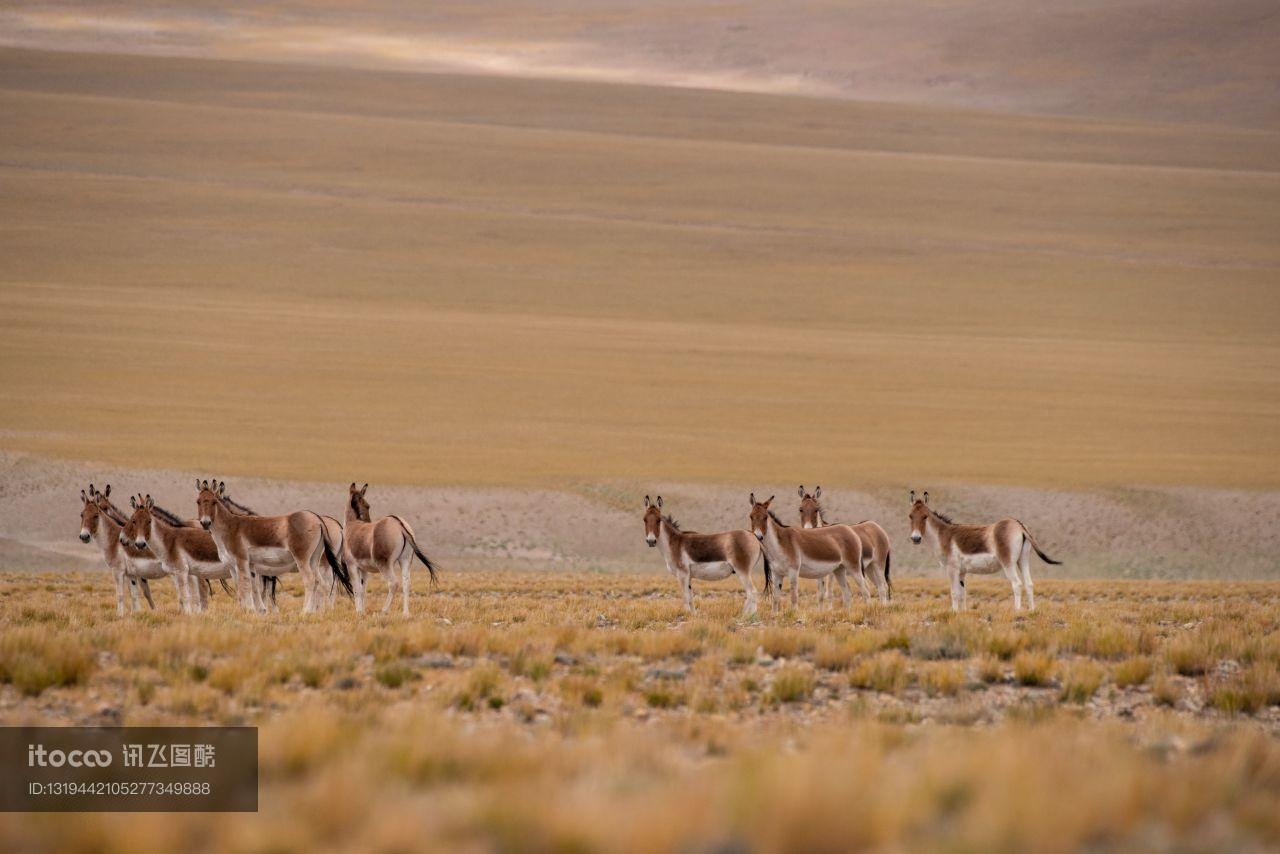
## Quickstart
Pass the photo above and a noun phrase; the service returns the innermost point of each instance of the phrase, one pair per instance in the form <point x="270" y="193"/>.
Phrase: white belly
<point x="710" y="571"/>
<point x="816" y="569"/>
<point x="145" y="568"/>
<point x="209" y="570"/>
<point x="272" y="558"/>
<point x="980" y="563"/>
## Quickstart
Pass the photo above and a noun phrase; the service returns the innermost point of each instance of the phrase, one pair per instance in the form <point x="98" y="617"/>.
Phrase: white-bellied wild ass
<point x="99" y="526"/>
<point x="269" y="544"/>
<point x="187" y="553"/>
<point x="145" y="565"/>
<point x="982" y="549"/>
<point x="875" y="546"/>
<point x="806" y="552"/>
<point x="706" y="557"/>
<point x="383" y="547"/>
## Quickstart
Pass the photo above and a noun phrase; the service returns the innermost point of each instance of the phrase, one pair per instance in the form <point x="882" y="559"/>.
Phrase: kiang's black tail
<point x="336" y="562"/>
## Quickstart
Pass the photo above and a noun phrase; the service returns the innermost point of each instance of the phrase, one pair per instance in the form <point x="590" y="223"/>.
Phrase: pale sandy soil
<point x="1156" y="532"/>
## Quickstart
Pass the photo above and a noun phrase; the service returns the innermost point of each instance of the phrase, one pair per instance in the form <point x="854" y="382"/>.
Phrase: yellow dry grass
<point x="585" y="711"/>
<point x="438" y="279"/>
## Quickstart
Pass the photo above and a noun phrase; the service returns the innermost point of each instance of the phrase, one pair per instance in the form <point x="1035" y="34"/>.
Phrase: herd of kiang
<point x="228" y="542"/>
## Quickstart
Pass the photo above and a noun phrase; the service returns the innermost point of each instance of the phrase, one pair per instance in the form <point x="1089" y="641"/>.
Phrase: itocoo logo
<point x="38" y="756"/>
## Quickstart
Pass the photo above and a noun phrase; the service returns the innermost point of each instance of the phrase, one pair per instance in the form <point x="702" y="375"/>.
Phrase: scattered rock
<point x="436" y="661"/>
<point x="444" y="621"/>
<point x="346" y="683"/>
<point x="566" y="659"/>
<point x="670" y="673"/>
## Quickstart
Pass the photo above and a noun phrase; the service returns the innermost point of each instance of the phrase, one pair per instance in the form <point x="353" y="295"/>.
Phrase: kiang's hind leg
<point x="388" y="570"/>
<point x="824" y="590"/>
<point x="846" y="593"/>
<point x="146" y="592"/>
<point x="744" y="575"/>
<point x="1024" y="567"/>
<point x="1010" y="568"/>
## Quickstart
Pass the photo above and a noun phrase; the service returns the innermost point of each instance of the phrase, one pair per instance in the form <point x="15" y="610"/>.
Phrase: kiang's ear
<point x="800" y="490"/>
<point x="926" y="496"/>
<point x="659" y="502"/>
<point x="92" y="491"/>
<point x="646" y="501"/>
<point x="817" y="492"/>
<point x="198" y="487"/>
<point x="364" y="489"/>
<point x="353" y="486"/>
<point x="751" y="499"/>
<point x="911" y="499"/>
<point x="770" y="501"/>
<point x="133" y="502"/>
<point x="106" y="493"/>
<point x="222" y="489"/>
<point x="83" y="497"/>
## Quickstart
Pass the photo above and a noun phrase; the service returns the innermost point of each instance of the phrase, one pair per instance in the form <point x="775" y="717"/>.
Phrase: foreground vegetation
<point x="543" y="711"/>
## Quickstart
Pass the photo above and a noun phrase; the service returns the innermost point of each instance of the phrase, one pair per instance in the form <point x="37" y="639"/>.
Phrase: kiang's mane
<point x="237" y="506"/>
<point x="670" y="520"/>
<point x="941" y="516"/>
<point x="168" y="517"/>
<point x="113" y="511"/>
<point x="779" y="522"/>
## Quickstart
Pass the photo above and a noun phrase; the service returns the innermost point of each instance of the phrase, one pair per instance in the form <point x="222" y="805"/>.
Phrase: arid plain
<point x="518" y="266"/>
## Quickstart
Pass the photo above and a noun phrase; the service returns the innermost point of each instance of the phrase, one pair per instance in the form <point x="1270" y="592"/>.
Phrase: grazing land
<point x="1118" y="715"/>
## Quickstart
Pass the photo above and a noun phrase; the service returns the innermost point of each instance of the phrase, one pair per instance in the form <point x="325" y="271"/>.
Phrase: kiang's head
<point x="209" y="494"/>
<point x="759" y="515"/>
<point x="652" y="520"/>
<point x="919" y="515"/>
<point x="359" y="506"/>
<point x="138" y="530"/>
<point x="89" y="515"/>
<point x="810" y="509"/>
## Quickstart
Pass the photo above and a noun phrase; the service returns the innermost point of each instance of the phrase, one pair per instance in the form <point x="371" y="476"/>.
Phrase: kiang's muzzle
<point x="915" y="538"/>
<point x="140" y="544"/>
<point x="652" y="541"/>
<point x="206" y="523"/>
<point x="759" y="536"/>
<point x="84" y="536"/>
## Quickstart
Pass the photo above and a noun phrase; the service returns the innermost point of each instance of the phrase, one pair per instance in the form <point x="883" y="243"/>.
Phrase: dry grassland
<point x="309" y="273"/>
<point x="538" y="711"/>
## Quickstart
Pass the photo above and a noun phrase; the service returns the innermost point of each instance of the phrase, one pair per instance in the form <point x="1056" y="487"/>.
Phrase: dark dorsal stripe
<point x="168" y="517"/>
<point x="238" y="507"/>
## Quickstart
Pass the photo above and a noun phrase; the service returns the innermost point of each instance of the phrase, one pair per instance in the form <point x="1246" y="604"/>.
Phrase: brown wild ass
<point x="187" y="553"/>
<point x="99" y="526"/>
<point x="269" y="544"/>
<point x="982" y="549"/>
<point x="875" y="547"/>
<point x="806" y="552"/>
<point x="382" y="547"/>
<point x="144" y="564"/>
<point x="706" y="557"/>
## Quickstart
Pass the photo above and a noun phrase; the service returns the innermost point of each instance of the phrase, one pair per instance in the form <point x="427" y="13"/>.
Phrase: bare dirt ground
<point x="1129" y="533"/>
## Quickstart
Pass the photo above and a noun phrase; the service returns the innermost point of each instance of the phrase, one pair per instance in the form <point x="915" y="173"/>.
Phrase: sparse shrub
<point x="990" y="670"/>
<point x="792" y="684"/>
<point x="941" y="679"/>
<point x="1032" y="669"/>
<point x="393" y="675"/>
<point x="1132" y="671"/>
<point x="944" y="643"/>
<point x="1188" y="657"/>
<point x="1166" y="692"/>
<point x="786" y="643"/>
<point x="1081" y="681"/>
<point x="1005" y="644"/>
<point x="663" y="697"/>
<point x="885" y="672"/>
<point x="33" y="659"/>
